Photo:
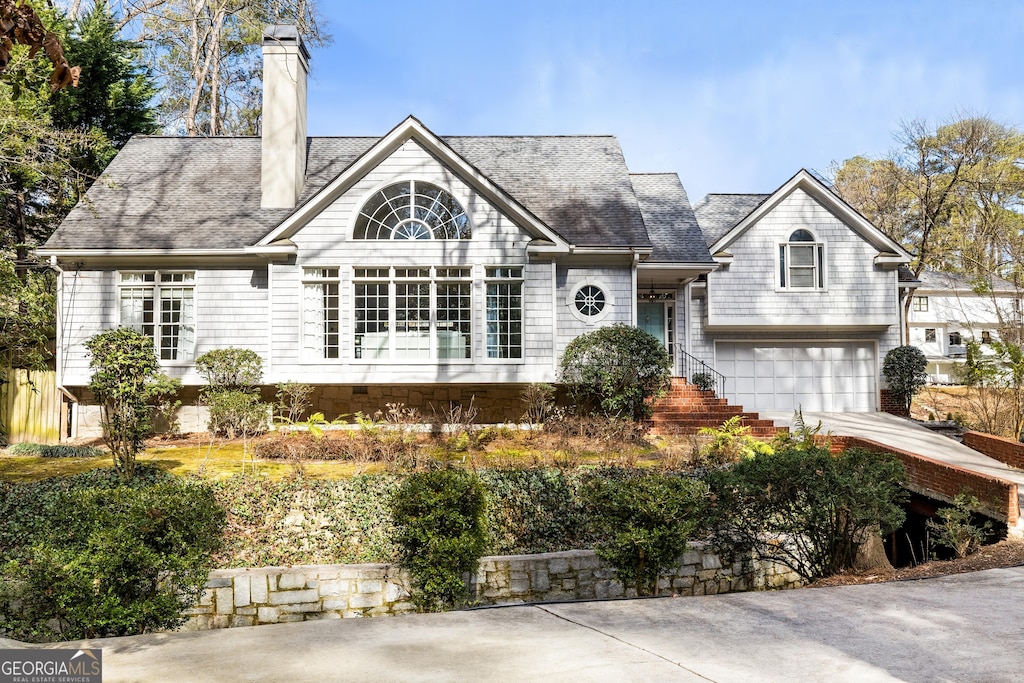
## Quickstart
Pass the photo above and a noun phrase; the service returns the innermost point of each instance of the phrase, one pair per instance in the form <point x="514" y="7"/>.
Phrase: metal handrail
<point x="692" y="367"/>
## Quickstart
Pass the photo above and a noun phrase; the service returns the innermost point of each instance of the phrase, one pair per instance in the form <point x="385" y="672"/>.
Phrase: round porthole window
<point x="590" y="300"/>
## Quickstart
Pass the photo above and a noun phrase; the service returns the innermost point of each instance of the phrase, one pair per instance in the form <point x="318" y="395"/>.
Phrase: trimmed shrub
<point x="806" y="509"/>
<point x="129" y="560"/>
<point x="904" y="371"/>
<point x="440" y="515"/>
<point x="236" y="413"/>
<point x="647" y="520"/>
<point x="233" y="376"/>
<point x="56" y="451"/>
<point x="231" y="368"/>
<point x="704" y="381"/>
<point x="615" y="370"/>
<point x="124" y="379"/>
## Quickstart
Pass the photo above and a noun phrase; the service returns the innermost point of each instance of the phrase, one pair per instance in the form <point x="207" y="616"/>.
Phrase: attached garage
<point x="816" y="376"/>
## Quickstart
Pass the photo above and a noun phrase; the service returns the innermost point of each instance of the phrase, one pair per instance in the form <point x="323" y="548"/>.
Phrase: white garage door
<point x="831" y="376"/>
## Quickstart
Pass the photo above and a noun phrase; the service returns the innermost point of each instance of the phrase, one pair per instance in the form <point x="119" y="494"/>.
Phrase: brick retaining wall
<point x="269" y="595"/>
<point x="1002" y="449"/>
<point x="942" y="481"/>
<point x="893" y="405"/>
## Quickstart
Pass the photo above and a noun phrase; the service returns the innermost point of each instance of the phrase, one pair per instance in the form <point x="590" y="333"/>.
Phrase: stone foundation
<point x="495" y="403"/>
<point x="270" y="595"/>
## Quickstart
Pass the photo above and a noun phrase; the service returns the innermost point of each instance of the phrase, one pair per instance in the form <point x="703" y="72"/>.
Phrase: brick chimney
<point x="285" y="68"/>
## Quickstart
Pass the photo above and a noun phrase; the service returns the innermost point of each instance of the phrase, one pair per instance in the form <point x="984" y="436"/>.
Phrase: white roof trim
<point x="814" y="187"/>
<point x="275" y="250"/>
<point x="412" y="129"/>
<point x="702" y="266"/>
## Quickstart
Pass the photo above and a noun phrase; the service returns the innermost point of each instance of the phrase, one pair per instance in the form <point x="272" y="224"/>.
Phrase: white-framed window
<point x="412" y="210"/>
<point x="920" y="304"/>
<point x="986" y="337"/>
<point x="929" y="335"/>
<point x="590" y="301"/>
<point x="956" y="339"/>
<point x="161" y="305"/>
<point x="412" y="313"/>
<point x="321" y="333"/>
<point x="802" y="262"/>
<point x="504" y="312"/>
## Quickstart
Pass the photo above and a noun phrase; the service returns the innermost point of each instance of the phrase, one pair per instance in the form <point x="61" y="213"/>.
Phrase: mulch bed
<point x="1008" y="553"/>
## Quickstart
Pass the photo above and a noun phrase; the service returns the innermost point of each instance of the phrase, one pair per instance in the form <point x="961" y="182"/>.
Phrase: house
<point x="805" y="301"/>
<point x="423" y="269"/>
<point x="948" y="310"/>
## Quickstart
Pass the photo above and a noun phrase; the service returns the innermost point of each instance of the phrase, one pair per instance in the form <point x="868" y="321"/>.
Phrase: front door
<point x="650" y="317"/>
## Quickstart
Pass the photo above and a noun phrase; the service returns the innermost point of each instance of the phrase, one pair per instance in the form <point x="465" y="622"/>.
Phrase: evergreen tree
<point x="115" y="90"/>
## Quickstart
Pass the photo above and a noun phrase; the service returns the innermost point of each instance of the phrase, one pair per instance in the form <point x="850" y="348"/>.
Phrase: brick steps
<point x="685" y="409"/>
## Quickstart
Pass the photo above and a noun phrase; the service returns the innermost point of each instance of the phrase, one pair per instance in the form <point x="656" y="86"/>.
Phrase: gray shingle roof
<point x="935" y="280"/>
<point x="717" y="214"/>
<point x="163" y="193"/>
<point x="669" y="219"/>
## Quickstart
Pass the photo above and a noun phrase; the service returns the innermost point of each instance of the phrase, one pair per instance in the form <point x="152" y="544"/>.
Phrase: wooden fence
<point x="30" y="407"/>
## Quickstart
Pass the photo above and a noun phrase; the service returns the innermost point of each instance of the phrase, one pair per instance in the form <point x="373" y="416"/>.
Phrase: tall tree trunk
<point x="20" y="236"/>
<point x="215" y="37"/>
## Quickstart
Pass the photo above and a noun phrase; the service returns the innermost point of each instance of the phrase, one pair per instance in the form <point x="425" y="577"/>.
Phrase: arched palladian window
<point x="412" y="210"/>
<point x="802" y="262"/>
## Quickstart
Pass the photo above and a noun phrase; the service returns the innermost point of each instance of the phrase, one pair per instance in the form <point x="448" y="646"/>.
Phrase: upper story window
<point x="161" y="306"/>
<point x="802" y="262"/>
<point x="412" y="210"/>
<point x="921" y="304"/>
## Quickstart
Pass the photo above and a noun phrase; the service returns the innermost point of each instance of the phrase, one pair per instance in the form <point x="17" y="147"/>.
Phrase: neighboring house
<point x="948" y="310"/>
<point x="424" y="269"/>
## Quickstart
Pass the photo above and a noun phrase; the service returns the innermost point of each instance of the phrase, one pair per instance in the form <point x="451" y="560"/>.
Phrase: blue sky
<point x="734" y="97"/>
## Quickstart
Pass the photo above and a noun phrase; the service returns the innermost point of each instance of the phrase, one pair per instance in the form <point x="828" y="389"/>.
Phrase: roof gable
<point x="803" y="180"/>
<point x="412" y="129"/>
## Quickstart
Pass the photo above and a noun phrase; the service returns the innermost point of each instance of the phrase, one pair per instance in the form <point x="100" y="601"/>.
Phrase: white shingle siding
<point x="616" y="281"/>
<point x="747" y="291"/>
<point x="231" y="310"/>
<point x="701" y="345"/>
<point x="327" y="241"/>
<point x="87" y="307"/>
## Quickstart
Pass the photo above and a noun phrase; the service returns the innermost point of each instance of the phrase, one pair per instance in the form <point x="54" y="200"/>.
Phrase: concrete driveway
<point x="959" y="628"/>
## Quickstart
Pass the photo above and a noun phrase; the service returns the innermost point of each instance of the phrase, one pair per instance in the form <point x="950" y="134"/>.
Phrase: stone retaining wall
<point x="270" y="595"/>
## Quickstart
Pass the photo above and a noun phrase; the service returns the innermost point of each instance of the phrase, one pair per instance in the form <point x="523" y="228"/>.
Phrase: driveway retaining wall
<point x="270" y="595"/>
